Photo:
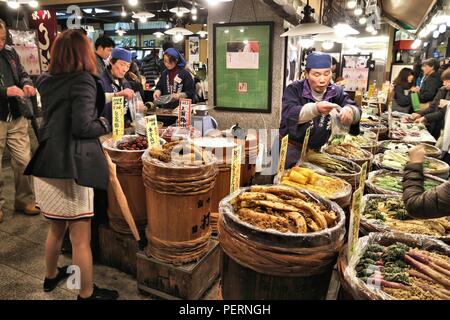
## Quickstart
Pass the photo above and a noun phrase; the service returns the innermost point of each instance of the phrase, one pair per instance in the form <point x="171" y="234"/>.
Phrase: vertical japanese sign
<point x="184" y="113"/>
<point x="44" y="21"/>
<point x="305" y="145"/>
<point x="194" y="49"/>
<point x="235" y="179"/>
<point x="152" y="131"/>
<point x="283" y="153"/>
<point x="117" y="118"/>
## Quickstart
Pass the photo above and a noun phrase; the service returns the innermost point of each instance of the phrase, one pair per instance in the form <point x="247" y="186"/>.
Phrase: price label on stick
<point x="362" y="177"/>
<point x="152" y="131"/>
<point x="283" y="153"/>
<point x="235" y="178"/>
<point x="305" y="145"/>
<point x="184" y="113"/>
<point x="355" y="219"/>
<point x="117" y="118"/>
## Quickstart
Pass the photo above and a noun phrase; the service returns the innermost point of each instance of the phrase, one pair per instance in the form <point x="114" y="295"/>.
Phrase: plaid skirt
<point x="63" y="199"/>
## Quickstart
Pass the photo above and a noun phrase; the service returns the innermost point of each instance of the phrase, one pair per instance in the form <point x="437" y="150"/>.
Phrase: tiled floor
<point x="22" y="266"/>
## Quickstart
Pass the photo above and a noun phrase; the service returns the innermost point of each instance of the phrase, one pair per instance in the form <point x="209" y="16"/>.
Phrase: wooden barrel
<point x="300" y="264"/>
<point x="250" y="148"/>
<point x="129" y="172"/>
<point x="178" y="209"/>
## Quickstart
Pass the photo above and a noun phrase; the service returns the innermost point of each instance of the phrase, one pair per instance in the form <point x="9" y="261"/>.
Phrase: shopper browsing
<point x="308" y="103"/>
<point x="402" y="95"/>
<point x="104" y="46"/>
<point x="69" y="161"/>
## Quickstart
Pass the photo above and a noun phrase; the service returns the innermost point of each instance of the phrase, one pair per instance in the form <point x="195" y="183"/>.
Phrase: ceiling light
<point x="374" y="32"/>
<point x="120" y="32"/>
<point x="362" y="20"/>
<point x="202" y="33"/>
<point x="178" y="37"/>
<point x="33" y="4"/>
<point x="133" y="2"/>
<point x="442" y="28"/>
<point x="358" y="11"/>
<point x="194" y="18"/>
<point x="167" y="26"/>
<point x="158" y="34"/>
<point x="143" y="16"/>
<point x="333" y="37"/>
<point x="142" y="19"/>
<point x="93" y="12"/>
<point x="327" y="45"/>
<point x="370" y="28"/>
<point x="306" y="42"/>
<point x="436" y="34"/>
<point x="432" y="27"/>
<point x="345" y="29"/>
<point x="176" y="30"/>
<point x="14" y="4"/>
<point x="123" y="13"/>
<point x="352" y="4"/>
<point x="307" y="25"/>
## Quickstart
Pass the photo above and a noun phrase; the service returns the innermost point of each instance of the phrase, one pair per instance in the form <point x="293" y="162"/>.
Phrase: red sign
<point x="44" y="21"/>
<point x="184" y="113"/>
<point x="404" y="44"/>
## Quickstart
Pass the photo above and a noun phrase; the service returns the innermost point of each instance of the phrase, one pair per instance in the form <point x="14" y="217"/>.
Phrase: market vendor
<point x="421" y="204"/>
<point x="309" y="103"/>
<point x="114" y="83"/>
<point x="175" y="80"/>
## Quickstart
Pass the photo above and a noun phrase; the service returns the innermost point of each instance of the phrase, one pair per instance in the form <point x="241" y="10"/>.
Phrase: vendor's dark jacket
<point x="434" y="115"/>
<point x="298" y="94"/>
<point x="108" y="86"/>
<point x="187" y="85"/>
<point x="423" y="204"/>
<point x="21" y="78"/>
<point x="430" y="87"/>
<point x="69" y="147"/>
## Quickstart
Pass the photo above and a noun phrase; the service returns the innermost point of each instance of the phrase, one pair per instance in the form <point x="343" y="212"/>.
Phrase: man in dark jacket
<point x="104" y="45"/>
<point x="114" y="83"/>
<point x="151" y="67"/>
<point x="308" y="103"/>
<point x="421" y="204"/>
<point x="14" y="85"/>
<point x="431" y="81"/>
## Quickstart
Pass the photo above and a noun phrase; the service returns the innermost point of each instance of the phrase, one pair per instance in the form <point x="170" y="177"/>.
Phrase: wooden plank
<point x="171" y="282"/>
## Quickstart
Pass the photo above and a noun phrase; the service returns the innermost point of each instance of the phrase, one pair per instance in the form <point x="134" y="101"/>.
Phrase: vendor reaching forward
<point x="309" y="103"/>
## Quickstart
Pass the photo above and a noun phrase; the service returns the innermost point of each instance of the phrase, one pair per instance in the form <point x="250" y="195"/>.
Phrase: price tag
<point x="235" y="179"/>
<point x="305" y="145"/>
<point x="362" y="177"/>
<point x="152" y="131"/>
<point x="117" y="118"/>
<point x="283" y="153"/>
<point x="355" y="219"/>
<point x="184" y="113"/>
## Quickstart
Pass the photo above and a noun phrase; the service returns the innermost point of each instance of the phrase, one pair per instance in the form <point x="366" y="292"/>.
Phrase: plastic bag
<point x="415" y="102"/>
<point x="338" y="129"/>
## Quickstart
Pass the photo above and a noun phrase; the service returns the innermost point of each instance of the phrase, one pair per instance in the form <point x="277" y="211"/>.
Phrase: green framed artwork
<point x="243" y="66"/>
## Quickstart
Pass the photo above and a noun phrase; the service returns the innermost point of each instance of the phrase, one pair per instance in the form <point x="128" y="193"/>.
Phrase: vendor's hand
<point x="420" y="120"/>
<point x="417" y="154"/>
<point x="415" y="116"/>
<point x="14" y="91"/>
<point x="156" y="95"/>
<point x="443" y="103"/>
<point x="127" y="93"/>
<point x="29" y="90"/>
<point x="324" y="107"/>
<point x="347" y="115"/>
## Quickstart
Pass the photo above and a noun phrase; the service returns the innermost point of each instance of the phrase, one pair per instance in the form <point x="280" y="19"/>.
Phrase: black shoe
<point x="101" y="294"/>
<point x="50" y="284"/>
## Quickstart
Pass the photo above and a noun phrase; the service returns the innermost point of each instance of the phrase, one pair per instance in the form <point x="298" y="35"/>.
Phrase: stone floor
<point x="22" y="265"/>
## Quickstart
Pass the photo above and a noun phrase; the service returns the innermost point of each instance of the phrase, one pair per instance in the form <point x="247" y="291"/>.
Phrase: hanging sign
<point x="117" y="118"/>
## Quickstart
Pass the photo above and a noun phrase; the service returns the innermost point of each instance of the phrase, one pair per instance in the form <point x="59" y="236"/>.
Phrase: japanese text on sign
<point x="235" y="179"/>
<point x="184" y="113"/>
<point x="117" y="118"/>
<point x="152" y="131"/>
<point x="283" y="153"/>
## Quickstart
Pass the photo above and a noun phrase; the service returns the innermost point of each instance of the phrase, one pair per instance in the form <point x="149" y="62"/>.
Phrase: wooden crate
<point x="118" y="250"/>
<point x="171" y="282"/>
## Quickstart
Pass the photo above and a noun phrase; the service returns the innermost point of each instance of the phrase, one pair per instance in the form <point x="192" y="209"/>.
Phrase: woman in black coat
<point x="402" y="95"/>
<point x="69" y="162"/>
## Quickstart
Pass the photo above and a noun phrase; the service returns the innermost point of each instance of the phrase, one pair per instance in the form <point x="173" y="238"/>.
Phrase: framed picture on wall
<point x="243" y="66"/>
<point x="25" y="42"/>
<point x="355" y="71"/>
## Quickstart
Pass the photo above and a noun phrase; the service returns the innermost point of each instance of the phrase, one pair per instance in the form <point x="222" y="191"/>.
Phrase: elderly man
<point x="308" y="103"/>
<point x="14" y="85"/>
<point x="114" y="83"/>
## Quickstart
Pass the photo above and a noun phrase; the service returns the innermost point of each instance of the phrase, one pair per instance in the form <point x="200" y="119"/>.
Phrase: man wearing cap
<point x="114" y="83"/>
<point x="308" y="103"/>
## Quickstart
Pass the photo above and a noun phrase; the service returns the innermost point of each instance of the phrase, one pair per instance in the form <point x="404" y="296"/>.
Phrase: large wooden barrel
<point x="267" y="264"/>
<point x="178" y="209"/>
<point x="129" y="172"/>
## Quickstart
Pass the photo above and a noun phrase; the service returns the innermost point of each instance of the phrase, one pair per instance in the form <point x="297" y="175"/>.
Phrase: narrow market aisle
<point x="22" y="266"/>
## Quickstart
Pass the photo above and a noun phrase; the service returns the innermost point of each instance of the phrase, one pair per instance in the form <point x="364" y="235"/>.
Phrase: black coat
<point x="69" y="145"/>
<point x="430" y="87"/>
<point x="434" y="115"/>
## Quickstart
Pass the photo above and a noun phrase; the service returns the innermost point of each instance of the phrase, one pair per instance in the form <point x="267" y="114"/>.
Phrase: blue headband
<point x="121" y="54"/>
<point x="176" y="55"/>
<point x="318" y="60"/>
